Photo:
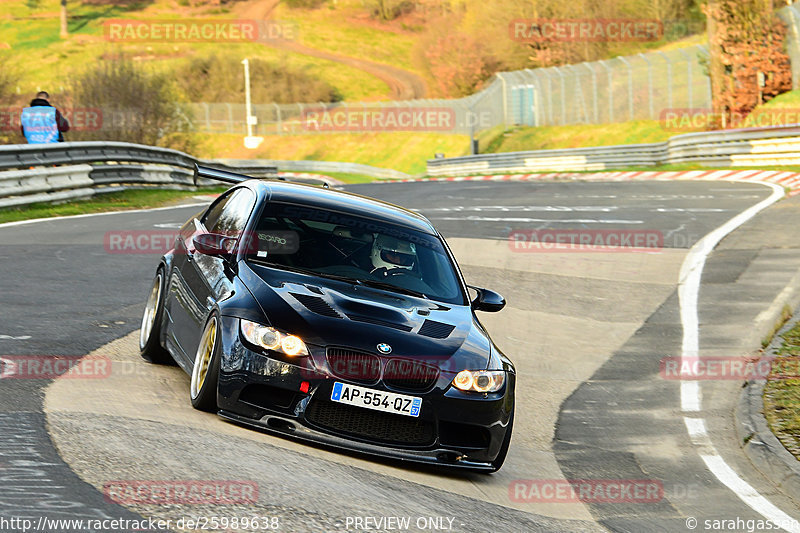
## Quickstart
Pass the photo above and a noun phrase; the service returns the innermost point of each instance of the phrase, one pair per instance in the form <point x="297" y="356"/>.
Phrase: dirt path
<point x="403" y="85"/>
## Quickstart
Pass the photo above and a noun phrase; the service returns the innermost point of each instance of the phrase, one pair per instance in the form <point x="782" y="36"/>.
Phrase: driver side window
<point x="229" y="216"/>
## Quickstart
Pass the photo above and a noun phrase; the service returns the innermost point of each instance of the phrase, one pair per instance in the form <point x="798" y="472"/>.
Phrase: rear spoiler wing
<point x="228" y="176"/>
<point x="219" y="175"/>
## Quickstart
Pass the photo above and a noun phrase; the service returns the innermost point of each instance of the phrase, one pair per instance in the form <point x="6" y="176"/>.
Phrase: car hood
<point x="326" y="312"/>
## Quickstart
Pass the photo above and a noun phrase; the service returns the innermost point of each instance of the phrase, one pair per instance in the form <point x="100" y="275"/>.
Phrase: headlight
<point x="480" y="380"/>
<point x="272" y="339"/>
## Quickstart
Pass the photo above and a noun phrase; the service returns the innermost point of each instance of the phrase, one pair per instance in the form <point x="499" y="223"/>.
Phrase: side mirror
<point x="214" y="244"/>
<point x="487" y="300"/>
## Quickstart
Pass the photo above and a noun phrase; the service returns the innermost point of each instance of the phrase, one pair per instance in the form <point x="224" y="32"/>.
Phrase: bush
<point x="137" y="105"/>
<point x="748" y="39"/>
<point x="9" y="133"/>
<point x="221" y="79"/>
<point x="456" y="61"/>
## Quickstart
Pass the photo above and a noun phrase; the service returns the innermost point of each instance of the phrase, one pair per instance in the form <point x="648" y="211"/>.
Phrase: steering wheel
<point x="397" y="271"/>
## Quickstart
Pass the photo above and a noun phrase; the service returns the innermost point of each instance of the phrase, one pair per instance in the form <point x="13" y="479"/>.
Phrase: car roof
<point x="342" y="201"/>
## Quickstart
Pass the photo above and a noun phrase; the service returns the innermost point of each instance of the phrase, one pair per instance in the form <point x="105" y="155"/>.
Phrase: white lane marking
<point x="169" y="225"/>
<point x="689" y="210"/>
<point x="104" y="213"/>
<point x="13" y="338"/>
<point x="748" y="494"/>
<point x="691" y="398"/>
<point x="476" y="218"/>
<point x="697" y="429"/>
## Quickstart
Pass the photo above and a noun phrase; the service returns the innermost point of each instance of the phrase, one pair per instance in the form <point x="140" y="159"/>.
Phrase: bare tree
<point x="137" y="105"/>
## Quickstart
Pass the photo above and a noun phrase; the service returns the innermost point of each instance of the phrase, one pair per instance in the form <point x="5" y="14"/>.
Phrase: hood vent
<point x="379" y="322"/>
<point x="317" y="305"/>
<point x="436" y="330"/>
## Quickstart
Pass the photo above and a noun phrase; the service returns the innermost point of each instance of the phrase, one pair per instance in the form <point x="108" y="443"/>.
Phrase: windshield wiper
<point x="392" y="288"/>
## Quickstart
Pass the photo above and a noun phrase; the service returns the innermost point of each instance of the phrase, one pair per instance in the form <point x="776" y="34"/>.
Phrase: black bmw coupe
<point x="332" y="317"/>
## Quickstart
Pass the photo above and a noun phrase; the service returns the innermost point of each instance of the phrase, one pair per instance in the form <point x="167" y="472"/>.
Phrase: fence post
<point x="230" y="118"/>
<point x="540" y="114"/>
<point x="278" y="127"/>
<point x="505" y="99"/>
<point x="208" y="116"/>
<point x="704" y="50"/>
<point x="546" y="72"/>
<point x="594" y="92"/>
<point x="563" y="97"/>
<point x="300" y="118"/>
<point x="630" y="86"/>
<point x="688" y="59"/>
<point x="579" y="90"/>
<point x="610" y="90"/>
<point x="649" y="84"/>
<point x="669" y="77"/>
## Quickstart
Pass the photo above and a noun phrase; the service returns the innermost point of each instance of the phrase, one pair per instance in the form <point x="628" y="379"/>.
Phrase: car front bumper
<point x="454" y="428"/>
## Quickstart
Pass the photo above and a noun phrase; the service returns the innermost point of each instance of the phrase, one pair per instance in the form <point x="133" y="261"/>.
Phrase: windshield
<point x="355" y="248"/>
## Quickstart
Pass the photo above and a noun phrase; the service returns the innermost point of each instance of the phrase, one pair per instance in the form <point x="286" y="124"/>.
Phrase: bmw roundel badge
<point x="384" y="348"/>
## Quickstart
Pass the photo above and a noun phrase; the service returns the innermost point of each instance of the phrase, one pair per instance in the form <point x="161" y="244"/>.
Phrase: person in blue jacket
<point x="41" y="123"/>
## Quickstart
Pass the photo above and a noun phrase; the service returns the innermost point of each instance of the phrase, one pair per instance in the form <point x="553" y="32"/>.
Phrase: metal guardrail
<point x="69" y="171"/>
<point x="731" y="148"/>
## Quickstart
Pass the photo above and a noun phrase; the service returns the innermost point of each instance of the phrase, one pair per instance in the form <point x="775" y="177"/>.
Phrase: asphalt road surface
<point x="587" y="331"/>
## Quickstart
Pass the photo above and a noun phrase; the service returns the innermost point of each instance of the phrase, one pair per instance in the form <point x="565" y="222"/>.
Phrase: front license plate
<point x="378" y="400"/>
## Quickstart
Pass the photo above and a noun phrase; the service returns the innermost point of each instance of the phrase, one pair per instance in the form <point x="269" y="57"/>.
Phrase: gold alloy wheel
<point x="202" y="361"/>
<point x="150" y="312"/>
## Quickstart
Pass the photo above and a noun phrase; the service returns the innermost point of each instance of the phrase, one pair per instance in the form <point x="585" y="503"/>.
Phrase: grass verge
<point x="118" y="201"/>
<point x="523" y="138"/>
<point x="782" y="392"/>
<point x="404" y="151"/>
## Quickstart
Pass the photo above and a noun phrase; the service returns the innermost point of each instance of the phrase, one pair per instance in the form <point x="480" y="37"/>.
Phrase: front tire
<point x="150" y="332"/>
<point x="205" y="372"/>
